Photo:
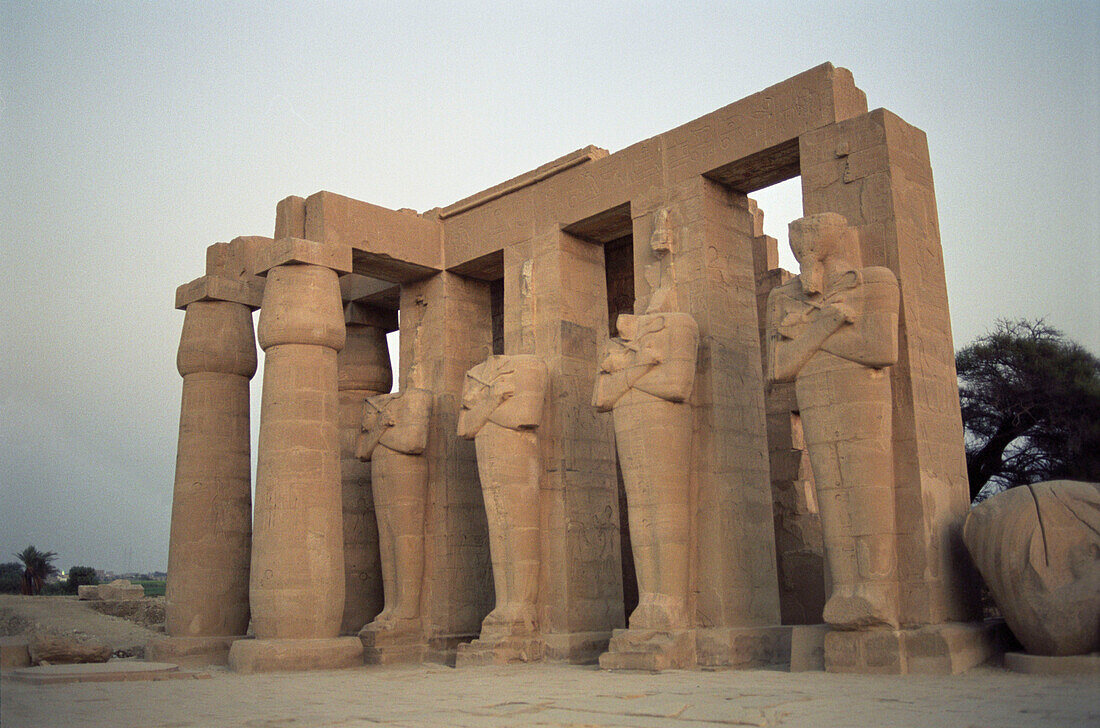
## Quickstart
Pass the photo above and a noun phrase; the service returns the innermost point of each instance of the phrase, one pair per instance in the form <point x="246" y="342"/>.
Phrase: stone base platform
<point x="255" y="655"/>
<point x="1047" y="665"/>
<point x="578" y="648"/>
<point x="941" y="649"/>
<point x="389" y="648"/>
<point x="116" y="671"/>
<point x="649" y="649"/>
<point x="501" y="651"/>
<point x="191" y="651"/>
<point x="796" y="647"/>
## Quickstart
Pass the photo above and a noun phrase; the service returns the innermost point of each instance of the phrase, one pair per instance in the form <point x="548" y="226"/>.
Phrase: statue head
<point x="817" y="239"/>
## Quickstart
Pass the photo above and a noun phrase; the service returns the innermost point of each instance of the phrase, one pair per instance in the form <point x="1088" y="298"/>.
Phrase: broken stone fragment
<point x="1038" y="549"/>
<point x="55" y="650"/>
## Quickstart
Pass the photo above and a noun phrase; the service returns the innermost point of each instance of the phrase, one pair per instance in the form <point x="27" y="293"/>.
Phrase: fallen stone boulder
<point x="1038" y="549"/>
<point x="57" y="650"/>
<point x="117" y="590"/>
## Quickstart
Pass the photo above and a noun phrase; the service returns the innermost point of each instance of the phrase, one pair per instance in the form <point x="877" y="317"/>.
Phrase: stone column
<point x="206" y="602"/>
<point x="363" y="370"/>
<point x="297" y="579"/>
<point x="211" y="532"/>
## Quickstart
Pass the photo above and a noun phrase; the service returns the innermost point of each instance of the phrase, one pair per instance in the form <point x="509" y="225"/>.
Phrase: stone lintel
<point x="371" y="291"/>
<point x="296" y="251"/>
<point x="393" y="245"/>
<point x="215" y="288"/>
<point x="748" y="144"/>
<point x="526" y="179"/>
<point x="358" y="314"/>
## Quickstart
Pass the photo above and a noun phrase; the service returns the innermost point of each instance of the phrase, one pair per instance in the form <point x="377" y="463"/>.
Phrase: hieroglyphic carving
<point x="834" y="331"/>
<point x="502" y="404"/>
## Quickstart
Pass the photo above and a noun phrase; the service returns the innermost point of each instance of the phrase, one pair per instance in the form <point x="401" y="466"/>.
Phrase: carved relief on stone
<point x="502" y="402"/>
<point x="645" y="380"/>
<point x="833" y="330"/>
<point x="394" y="437"/>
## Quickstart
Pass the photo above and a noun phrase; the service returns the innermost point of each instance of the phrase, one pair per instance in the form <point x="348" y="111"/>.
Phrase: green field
<point x="152" y="588"/>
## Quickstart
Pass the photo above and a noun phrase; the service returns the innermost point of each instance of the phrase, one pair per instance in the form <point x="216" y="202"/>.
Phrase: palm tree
<point x="37" y="565"/>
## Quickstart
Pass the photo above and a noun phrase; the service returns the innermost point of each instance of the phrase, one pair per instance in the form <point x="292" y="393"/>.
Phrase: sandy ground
<point x="531" y="695"/>
<point x="558" y="695"/>
<point x="68" y="616"/>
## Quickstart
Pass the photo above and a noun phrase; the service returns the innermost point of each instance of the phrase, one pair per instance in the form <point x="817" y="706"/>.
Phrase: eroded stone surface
<point x="502" y="405"/>
<point x="645" y="380"/>
<point x="58" y="650"/>
<point x="531" y="266"/>
<point x="119" y="590"/>
<point x="834" y="331"/>
<point x="1038" y="548"/>
<point x="394" y="437"/>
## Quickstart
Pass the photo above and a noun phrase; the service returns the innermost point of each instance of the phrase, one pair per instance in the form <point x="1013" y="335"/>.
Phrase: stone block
<point x="296" y="251"/>
<point x="251" y="655"/>
<point x="501" y="652"/>
<point x="14" y="652"/>
<point x="388" y="648"/>
<point x="190" y="651"/>
<point x="120" y="590"/>
<point x="215" y="288"/>
<point x="578" y="648"/>
<point x="57" y="650"/>
<point x="941" y="649"/>
<point x="743" y="647"/>
<point x="808" y="647"/>
<point x="650" y="650"/>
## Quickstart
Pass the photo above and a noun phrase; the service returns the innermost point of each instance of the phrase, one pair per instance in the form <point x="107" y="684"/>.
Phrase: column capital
<point x="296" y="251"/>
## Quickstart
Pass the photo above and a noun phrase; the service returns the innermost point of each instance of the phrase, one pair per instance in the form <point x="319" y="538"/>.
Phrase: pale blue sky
<point x="136" y="134"/>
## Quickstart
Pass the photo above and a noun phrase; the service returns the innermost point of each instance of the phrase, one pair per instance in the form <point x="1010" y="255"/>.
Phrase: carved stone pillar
<point x="394" y="438"/>
<point x="363" y="370"/>
<point x="874" y="170"/>
<point x="297" y="580"/>
<point x="208" y="553"/>
<point x="502" y="403"/>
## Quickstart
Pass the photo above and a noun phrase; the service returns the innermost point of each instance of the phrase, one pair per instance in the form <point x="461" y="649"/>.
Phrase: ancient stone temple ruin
<point x="619" y="431"/>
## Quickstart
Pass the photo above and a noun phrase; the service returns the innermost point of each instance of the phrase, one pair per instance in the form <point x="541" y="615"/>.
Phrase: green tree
<point x="1030" y="405"/>
<point x="11" y="577"/>
<point x="80" y="576"/>
<point x="37" y="566"/>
